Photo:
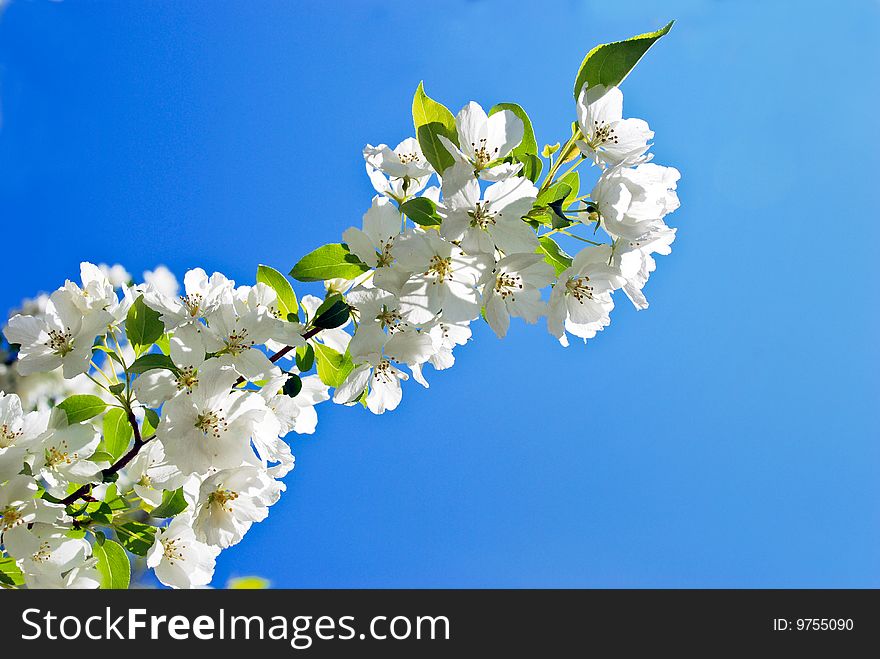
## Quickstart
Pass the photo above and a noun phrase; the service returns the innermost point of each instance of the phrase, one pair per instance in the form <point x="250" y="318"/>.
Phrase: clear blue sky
<point x="727" y="436"/>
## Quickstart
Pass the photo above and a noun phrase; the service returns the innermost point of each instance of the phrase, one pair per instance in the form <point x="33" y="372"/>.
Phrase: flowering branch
<point x="401" y="292"/>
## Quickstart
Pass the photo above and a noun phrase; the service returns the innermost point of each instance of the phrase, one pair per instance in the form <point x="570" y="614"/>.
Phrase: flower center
<point x="171" y="552"/>
<point x="390" y="318"/>
<point x="481" y="216"/>
<point x="57" y="456"/>
<point x="441" y="268"/>
<point x="192" y="303"/>
<point x="211" y="423"/>
<point x="10" y="517"/>
<point x="237" y="342"/>
<point x="603" y="133"/>
<point x="8" y="436"/>
<point x="61" y="343"/>
<point x="221" y="497"/>
<point x="407" y="158"/>
<point x="506" y="285"/>
<point x="482" y="154"/>
<point x="579" y="288"/>
<point x="384" y="256"/>
<point x="43" y="554"/>
<point x="145" y="481"/>
<point x="187" y="379"/>
<point x="383" y="372"/>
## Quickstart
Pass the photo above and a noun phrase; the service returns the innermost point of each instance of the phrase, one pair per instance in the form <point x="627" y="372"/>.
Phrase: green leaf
<point x="173" y="503"/>
<point x="136" y="537"/>
<point x="328" y="262"/>
<point x="432" y="119"/>
<point x="113" y="565"/>
<point x="117" y="388"/>
<point x="293" y="385"/>
<point x="550" y="149"/>
<point x="117" y="432"/>
<point x="610" y="63"/>
<point x="287" y="303"/>
<point x="305" y="358"/>
<point x="532" y="166"/>
<point x="333" y="312"/>
<point x="10" y="574"/>
<point x="143" y="325"/>
<point x="164" y="344"/>
<point x="248" y="583"/>
<point x="422" y="211"/>
<point x="333" y="368"/>
<point x="102" y="513"/>
<point x="151" y="422"/>
<point x="553" y="254"/>
<point x="528" y="145"/>
<point x="82" y="407"/>
<point x="150" y="362"/>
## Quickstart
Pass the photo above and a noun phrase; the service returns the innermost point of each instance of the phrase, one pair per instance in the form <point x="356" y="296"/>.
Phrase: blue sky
<point x="725" y="437"/>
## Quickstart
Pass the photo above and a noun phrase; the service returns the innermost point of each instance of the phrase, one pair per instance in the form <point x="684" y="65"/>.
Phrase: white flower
<point x="18" y="507"/>
<point x="234" y="332"/>
<point x="213" y="425"/>
<point x="512" y="288"/>
<point x="296" y="414"/>
<point x="18" y="431"/>
<point x="44" y="553"/>
<point x="373" y="245"/>
<point x="405" y="161"/>
<point x="481" y="226"/>
<point x="400" y="173"/>
<point x="581" y="299"/>
<point x="631" y="202"/>
<point x="163" y="281"/>
<point x="96" y="292"/>
<point x="383" y="379"/>
<point x="484" y="140"/>
<point x="445" y="279"/>
<point x="202" y="296"/>
<point x="179" y="560"/>
<point x="634" y="260"/>
<point x="63" y="337"/>
<point x="230" y="501"/>
<point x="187" y="352"/>
<point x="64" y="452"/>
<point x="445" y="337"/>
<point x="380" y="318"/>
<point x="608" y="137"/>
<point x="149" y="475"/>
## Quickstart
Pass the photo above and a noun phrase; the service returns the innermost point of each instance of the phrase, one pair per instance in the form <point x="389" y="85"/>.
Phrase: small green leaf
<point x="333" y="312"/>
<point x="117" y="388"/>
<point x="287" y="303"/>
<point x="113" y="565"/>
<point x="432" y="119"/>
<point x="328" y="262"/>
<point x="150" y="362"/>
<point x="143" y="325"/>
<point x="305" y="358"/>
<point x="82" y="407"/>
<point x="151" y="422"/>
<point x="10" y="574"/>
<point x="610" y="63"/>
<point x="553" y="254"/>
<point x="136" y="537"/>
<point x="333" y="368"/>
<point x="164" y="344"/>
<point x="117" y="432"/>
<point x="173" y="503"/>
<point x="422" y="211"/>
<point x="293" y="385"/>
<point x="549" y="149"/>
<point x="532" y="166"/>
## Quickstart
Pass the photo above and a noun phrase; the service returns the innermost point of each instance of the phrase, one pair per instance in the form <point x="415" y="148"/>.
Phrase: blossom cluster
<point x="143" y="423"/>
